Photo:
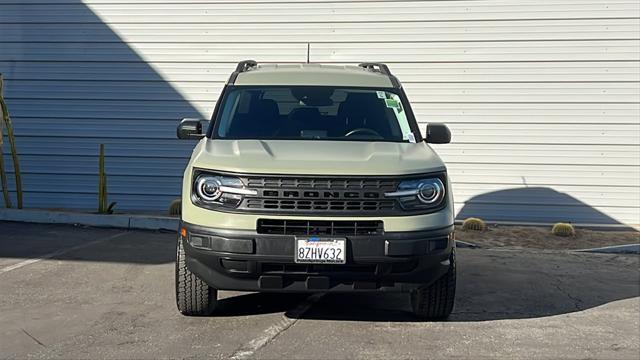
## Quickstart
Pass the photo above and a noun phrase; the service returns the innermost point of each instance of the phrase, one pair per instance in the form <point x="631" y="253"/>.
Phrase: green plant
<point x="563" y="229"/>
<point x="473" y="224"/>
<point x="3" y="175"/>
<point x="6" y="121"/>
<point x="175" y="208"/>
<point x="103" y="206"/>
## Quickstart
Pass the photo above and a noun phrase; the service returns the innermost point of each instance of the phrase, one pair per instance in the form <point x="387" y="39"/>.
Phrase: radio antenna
<point x="308" y="51"/>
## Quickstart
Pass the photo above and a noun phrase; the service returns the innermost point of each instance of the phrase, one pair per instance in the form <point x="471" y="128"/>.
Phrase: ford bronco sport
<point x="313" y="178"/>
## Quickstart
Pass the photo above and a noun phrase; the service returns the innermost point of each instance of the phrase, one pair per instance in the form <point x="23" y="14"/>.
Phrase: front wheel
<point x="435" y="302"/>
<point x="193" y="296"/>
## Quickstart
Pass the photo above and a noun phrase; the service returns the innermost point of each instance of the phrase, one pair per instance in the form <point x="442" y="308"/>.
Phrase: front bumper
<point x="248" y="261"/>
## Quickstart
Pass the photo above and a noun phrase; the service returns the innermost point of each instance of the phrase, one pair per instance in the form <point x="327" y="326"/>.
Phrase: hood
<point x="312" y="157"/>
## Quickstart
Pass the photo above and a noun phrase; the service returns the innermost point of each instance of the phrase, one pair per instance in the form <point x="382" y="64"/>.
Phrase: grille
<point x="320" y="183"/>
<point x="320" y="205"/>
<point x="299" y="195"/>
<point x="312" y="227"/>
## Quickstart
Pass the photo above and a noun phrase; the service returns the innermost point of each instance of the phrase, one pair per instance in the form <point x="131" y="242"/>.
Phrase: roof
<point x="312" y="74"/>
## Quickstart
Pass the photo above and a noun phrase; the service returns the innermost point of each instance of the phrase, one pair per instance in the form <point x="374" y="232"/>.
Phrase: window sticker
<point x="394" y="104"/>
<point x="381" y="95"/>
<point x="412" y="138"/>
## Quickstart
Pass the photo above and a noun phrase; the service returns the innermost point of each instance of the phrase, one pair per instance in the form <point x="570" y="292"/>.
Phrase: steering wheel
<point x="363" y="131"/>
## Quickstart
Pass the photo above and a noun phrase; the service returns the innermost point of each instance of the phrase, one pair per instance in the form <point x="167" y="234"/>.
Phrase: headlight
<point x="419" y="194"/>
<point x="210" y="190"/>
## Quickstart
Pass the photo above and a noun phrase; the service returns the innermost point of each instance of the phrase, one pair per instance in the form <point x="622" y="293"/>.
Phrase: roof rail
<point x="242" y="66"/>
<point x="383" y="69"/>
<point x="379" y="67"/>
<point x="246" y="65"/>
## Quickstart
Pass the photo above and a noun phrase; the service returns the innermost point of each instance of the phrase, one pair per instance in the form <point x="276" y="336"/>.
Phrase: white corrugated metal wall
<point x="542" y="96"/>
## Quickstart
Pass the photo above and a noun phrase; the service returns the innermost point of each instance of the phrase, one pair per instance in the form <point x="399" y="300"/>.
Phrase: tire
<point x="435" y="302"/>
<point x="193" y="296"/>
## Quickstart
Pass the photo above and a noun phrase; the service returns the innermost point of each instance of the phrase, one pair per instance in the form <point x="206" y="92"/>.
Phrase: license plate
<point x="320" y="250"/>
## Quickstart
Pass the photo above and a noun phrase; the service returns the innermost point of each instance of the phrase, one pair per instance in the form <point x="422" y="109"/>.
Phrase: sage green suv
<point x="314" y="178"/>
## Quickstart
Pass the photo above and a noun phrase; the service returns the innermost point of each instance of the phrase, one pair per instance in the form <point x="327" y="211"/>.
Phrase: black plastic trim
<point x="216" y="109"/>
<point x="426" y="234"/>
<point x="395" y="261"/>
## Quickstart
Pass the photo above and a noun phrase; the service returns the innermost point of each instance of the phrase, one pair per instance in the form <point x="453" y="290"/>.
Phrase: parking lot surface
<point x="73" y="292"/>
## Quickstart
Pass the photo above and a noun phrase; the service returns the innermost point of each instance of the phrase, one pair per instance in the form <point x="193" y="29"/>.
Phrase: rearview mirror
<point x="438" y="133"/>
<point x="191" y="129"/>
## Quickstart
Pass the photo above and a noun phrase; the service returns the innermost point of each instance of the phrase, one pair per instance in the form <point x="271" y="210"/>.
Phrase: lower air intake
<point x="313" y="227"/>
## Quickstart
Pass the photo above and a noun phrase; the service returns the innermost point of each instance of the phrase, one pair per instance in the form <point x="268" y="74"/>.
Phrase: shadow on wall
<point x="536" y="205"/>
<point x="71" y="84"/>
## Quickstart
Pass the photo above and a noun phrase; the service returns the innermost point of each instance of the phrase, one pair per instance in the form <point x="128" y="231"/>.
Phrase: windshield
<point x="321" y="113"/>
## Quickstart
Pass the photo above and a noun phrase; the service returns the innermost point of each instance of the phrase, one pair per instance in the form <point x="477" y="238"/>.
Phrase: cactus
<point x="14" y="156"/>
<point x="563" y="229"/>
<point x="3" y="175"/>
<point x="6" y="121"/>
<point x="175" y="208"/>
<point x="103" y="206"/>
<point x="473" y="224"/>
<point x="101" y="182"/>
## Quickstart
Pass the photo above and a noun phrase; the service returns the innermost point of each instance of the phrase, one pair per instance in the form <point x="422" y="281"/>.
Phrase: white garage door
<point x="542" y="96"/>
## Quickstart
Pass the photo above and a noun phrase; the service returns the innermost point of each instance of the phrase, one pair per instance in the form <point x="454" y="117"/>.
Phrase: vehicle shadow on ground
<point x="492" y="285"/>
<point x="498" y="285"/>
<point x="257" y="303"/>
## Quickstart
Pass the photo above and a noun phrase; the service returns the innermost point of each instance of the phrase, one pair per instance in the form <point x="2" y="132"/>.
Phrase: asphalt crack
<point x="33" y="338"/>
<point x="557" y="283"/>
<point x="287" y="320"/>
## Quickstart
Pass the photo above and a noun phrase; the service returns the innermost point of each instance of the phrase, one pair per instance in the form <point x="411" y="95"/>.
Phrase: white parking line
<point x="57" y="253"/>
<point x="285" y="322"/>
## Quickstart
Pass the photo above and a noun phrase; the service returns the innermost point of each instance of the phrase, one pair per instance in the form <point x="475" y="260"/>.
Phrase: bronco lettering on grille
<point x="307" y="195"/>
<point x="320" y="194"/>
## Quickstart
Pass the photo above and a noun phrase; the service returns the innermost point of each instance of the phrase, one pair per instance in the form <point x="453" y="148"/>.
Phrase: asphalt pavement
<point x="74" y="292"/>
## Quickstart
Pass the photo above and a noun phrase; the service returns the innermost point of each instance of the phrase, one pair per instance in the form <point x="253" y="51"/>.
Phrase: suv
<point x="314" y="178"/>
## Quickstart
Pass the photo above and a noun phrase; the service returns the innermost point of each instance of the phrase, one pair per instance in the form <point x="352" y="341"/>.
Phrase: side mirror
<point x="191" y="129"/>
<point x="438" y="133"/>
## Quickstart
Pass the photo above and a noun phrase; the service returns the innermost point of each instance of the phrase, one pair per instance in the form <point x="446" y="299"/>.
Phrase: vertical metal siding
<point x="543" y="97"/>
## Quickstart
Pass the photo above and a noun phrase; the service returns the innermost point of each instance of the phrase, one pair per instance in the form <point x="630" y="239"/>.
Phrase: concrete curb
<point x="155" y="222"/>
<point x="144" y="222"/>
<point x="617" y="249"/>
<point x="126" y="221"/>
